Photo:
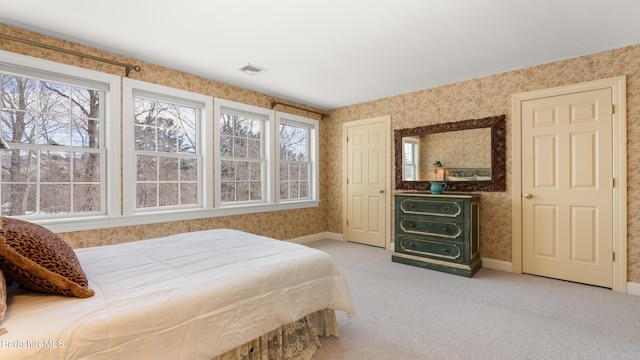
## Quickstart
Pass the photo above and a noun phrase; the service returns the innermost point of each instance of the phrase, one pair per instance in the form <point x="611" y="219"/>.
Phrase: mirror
<point x="468" y="155"/>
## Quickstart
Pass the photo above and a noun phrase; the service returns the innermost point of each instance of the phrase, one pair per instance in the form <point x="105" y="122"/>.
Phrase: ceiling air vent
<point x="252" y="69"/>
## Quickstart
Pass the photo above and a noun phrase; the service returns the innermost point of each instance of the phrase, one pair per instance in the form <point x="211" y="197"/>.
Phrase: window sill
<point x="103" y="222"/>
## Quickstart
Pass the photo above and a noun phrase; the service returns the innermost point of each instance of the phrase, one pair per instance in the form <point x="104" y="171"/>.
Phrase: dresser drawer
<point x="451" y="208"/>
<point x="444" y="229"/>
<point x="442" y="250"/>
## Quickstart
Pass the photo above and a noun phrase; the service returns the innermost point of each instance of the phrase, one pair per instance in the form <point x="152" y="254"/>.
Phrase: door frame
<point x="386" y="119"/>
<point x="619" y="181"/>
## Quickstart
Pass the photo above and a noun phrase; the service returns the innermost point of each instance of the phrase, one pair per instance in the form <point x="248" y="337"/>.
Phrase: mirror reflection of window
<point x="411" y="160"/>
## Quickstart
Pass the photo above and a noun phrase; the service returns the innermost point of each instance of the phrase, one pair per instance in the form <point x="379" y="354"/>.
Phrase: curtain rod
<point x="128" y="67"/>
<point x="322" y="115"/>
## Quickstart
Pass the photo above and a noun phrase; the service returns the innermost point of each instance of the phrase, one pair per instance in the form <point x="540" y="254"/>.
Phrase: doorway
<point x="366" y="191"/>
<point x="569" y="183"/>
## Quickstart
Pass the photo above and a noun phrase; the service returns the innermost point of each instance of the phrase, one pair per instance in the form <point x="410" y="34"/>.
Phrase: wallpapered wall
<point x="278" y="224"/>
<point x="487" y="96"/>
<point x="491" y="96"/>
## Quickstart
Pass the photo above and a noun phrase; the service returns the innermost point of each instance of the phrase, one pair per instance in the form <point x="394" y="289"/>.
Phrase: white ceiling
<point x="333" y="53"/>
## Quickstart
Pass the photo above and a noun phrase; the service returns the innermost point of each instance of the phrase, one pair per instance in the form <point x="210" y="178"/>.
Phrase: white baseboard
<point x="334" y="236"/>
<point x="494" y="264"/>
<point x="315" y="237"/>
<point x="633" y="288"/>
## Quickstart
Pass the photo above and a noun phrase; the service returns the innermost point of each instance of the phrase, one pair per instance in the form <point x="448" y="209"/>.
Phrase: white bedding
<point x="187" y="296"/>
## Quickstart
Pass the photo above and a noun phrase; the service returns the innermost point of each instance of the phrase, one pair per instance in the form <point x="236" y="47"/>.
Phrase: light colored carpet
<point x="406" y="312"/>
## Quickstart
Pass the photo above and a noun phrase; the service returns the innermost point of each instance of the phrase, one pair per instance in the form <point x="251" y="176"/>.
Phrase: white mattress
<point x="192" y="295"/>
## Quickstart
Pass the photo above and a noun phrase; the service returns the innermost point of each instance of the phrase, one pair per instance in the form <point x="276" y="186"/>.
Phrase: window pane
<point x="18" y="127"/>
<point x="147" y="168"/>
<point x="242" y="191"/>
<point x="294" y="172"/>
<point x="54" y="198"/>
<point x="85" y="133"/>
<point x="228" y="170"/>
<point x="254" y="148"/>
<point x="226" y="145"/>
<point x="284" y="190"/>
<point x="187" y="143"/>
<point x="242" y="170"/>
<point x="167" y="140"/>
<point x="86" y="167"/>
<point x="144" y="112"/>
<point x="19" y="166"/>
<point x="53" y="130"/>
<point x="86" y="198"/>
<point x="18" y="199"/>
<point x="188" y="169"/>
<point x="255" y="171"/>
<point x="85" y="104"/>
<point x="55" y="166"/>
<point x="55" y="98"/>
<point x="228" y="192"/>
<point x="146" y="195"/>
<point x="169" y="170"/>
<point x="304" y="189"/>
<point x="145" y="138"/>
<point x="189" y="194"/>
<point x="239" y="147"/>
<point x="19" y="93"/>
<point x="169" y="194"/>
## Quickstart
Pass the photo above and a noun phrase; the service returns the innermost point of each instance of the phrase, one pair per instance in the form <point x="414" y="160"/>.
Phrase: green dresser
<point x="439" y="232"/>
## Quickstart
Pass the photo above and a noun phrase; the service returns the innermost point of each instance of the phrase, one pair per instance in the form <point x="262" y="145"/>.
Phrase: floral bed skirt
<point x="295" y="341"/>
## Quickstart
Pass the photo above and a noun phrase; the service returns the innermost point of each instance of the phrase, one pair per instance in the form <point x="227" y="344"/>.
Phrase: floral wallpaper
<point x="482" y="97"/>
<point x="491" y="96"/>
<point x="277" y="224"/>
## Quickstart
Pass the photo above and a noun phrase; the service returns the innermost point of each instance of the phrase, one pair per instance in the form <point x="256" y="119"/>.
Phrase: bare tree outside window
<point x="54" y="163"/>
<point x="166" y="154"/>
<point x="294" y="162"/>
<point x="241" y="151"/>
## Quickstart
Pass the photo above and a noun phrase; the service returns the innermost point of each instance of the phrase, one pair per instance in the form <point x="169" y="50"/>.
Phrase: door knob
<point x="381" y="191"/>
<point x="528" y="196"/>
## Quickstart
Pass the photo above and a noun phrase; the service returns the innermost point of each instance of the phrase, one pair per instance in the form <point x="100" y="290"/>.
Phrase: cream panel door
<point x="567" y="187"/>
<point x="366" y="184"/>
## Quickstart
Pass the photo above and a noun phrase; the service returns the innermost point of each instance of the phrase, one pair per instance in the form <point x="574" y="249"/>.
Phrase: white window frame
<point x="314" y="158"/>
<point x="266" y="115"/>
<point x="272" y="202"/>
<point x="204" y="144"/>
<point x="110" y="137"/>
<point x="415" y="163"/>
<point x="118" y="145"/>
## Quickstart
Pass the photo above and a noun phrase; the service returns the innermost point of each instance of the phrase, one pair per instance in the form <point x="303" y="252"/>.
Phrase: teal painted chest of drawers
<point x="439" y="232"/>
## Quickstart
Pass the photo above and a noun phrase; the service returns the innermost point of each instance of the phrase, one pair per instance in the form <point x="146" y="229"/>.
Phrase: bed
<point x="215" y="294"/>
<point x="467" y="174"/>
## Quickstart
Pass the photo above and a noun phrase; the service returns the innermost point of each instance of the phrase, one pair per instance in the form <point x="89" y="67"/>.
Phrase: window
<point x="298" y="157"/>
<point x="164" y="132"/>
<point x="410" y="149"/>
<point x="53" y="118"/>
<point x="267" y="160"/>
<point x="243" y="138"/>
